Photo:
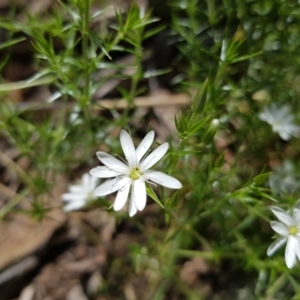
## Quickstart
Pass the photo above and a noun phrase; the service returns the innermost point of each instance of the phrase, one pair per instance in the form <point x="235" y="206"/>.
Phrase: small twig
<point x="4" y="190"/>
<point x="148" y="101"/>
<point x="10" y="164"/>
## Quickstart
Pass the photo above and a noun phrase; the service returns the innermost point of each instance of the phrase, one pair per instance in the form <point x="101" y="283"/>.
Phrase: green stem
<point x="85" y="37"/>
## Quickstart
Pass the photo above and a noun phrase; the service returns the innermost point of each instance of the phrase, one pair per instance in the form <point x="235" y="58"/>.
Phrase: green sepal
<point x="152" y="194"/>
<point x="200" y="98"/>
<point x="198" y="125"/>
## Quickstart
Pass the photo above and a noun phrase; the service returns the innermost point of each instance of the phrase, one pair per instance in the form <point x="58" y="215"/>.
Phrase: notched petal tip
<point x="121" y="197"/>
<point x="163" y="179"/>
<point x="145" y="145"/>
<point x="139" y="195"/>
<point x="154" y="157"/>
<point x="128" y="148"/>
<point x="276" y="245"/>
<point x="282" y="215"/>
<point x="111" y="162"/>
<point x="290" y="252"/>
<point x="132" y="208"/>
<point x="103" y="172"/>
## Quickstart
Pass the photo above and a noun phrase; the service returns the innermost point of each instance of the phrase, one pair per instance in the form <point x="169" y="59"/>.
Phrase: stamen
<point x="122" y="159"/>
<point x="133" y="155"/>
<point x="150" y="182"/>
<point x="135" y="174"/>
<point x="144" y="156"/>
<point x="116" y="181"/>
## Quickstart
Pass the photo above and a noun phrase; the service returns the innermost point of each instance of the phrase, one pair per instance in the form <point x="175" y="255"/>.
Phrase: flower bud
<point x="208" y="136"/>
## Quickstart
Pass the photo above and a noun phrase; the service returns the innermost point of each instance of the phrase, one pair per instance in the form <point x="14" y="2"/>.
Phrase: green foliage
<point x="235" y="58"/>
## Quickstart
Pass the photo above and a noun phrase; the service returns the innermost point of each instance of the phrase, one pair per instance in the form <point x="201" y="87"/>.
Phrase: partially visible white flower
<point x="132" y="176"/>
<point x="281" y="120"/>
<point x="285" y="179"/>
<point x="79" y="195"/>
<point x="289" y="230"/>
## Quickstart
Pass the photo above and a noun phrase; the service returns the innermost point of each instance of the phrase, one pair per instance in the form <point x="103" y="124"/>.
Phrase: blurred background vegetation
<point x="74" y="73"/>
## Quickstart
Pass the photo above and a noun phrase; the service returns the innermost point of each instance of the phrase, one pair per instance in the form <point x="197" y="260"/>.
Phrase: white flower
<point x="281" y="120"/>
<point x="133" y="174"/>
<point x="79" y="195"/>
<point x="289" y="230"/>
<point x="285" y="179"/>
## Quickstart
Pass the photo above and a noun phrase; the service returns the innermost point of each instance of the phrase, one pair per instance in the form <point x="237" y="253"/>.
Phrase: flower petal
<point x="286" y="136"/>
<point x="132" y="208"/>
<point x="76" y="189"/>
<point x="163" y="179"/>
<point x="154" y="157"/>
<point x="73" y="197"/>
<point x="85" y="180"/>
<point x="103" y="172"/>
<point x="279" y="228"/>
<point x="74" y="205"/>
<point x="144" y="145"/>
<point x="112" y="163"/>
<point x="138" y="194"/>
<point x="290" y="251"/>
<point x="93" y="183"/>
<point x="111" y="186"/>
<point x="298" y="247"/>
<point x="128" y="148"/>
<point x="282" y="215"/>
<point x="122" y="197"/>
<point x="276" y="245"/>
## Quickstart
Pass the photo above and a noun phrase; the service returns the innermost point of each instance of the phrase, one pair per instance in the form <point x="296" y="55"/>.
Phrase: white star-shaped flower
<point x="281" y="120"/>
<point x="285" y="179"/>
<point x="79" y="195"/>
<point x="289" y="230"/>
<point x="132" y="176"/>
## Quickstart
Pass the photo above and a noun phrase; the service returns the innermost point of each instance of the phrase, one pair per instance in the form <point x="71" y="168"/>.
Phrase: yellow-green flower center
<point x="293" y="230"/>
<point x="90" y="196"/>
<point x="135" y="174"/>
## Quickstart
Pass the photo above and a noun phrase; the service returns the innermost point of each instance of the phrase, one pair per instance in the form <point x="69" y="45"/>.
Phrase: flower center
<point x="293" y="230"/>
<point x="90" y="196"/>
<point x="135" y="174"/>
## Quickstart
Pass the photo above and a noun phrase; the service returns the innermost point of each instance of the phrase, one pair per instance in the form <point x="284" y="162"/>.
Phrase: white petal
<point x="73" y="197"/>
<point x="111" y="186"/>
<point x="276" y="245"/>
<point x="279" y="228"/>
<point x="154" y="157"/>
<point x="298" y="247"/>
<point x="76" y="189"/>
<point x="128" y="148"/>
<point x="138" y="194"/>
<point x="121" y="197"/>
<point x="283" y="134"/>
<point x="290" y="251"/>
<point x="144" y="145"/>
<point x="163" y="179"/>
<point x="296" y="216"/>
<point x="93" y="183"/>
<point x="132" y="208"/>
<point x="103" y="172"/>
<point x="74" y="205"/>
<point x="112" y="163"/>
<point x="85" y="179"/>
<point x="282" y="215"/>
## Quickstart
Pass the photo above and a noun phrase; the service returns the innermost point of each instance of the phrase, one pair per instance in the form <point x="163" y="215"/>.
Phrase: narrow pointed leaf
<point x="152" y="194"/>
